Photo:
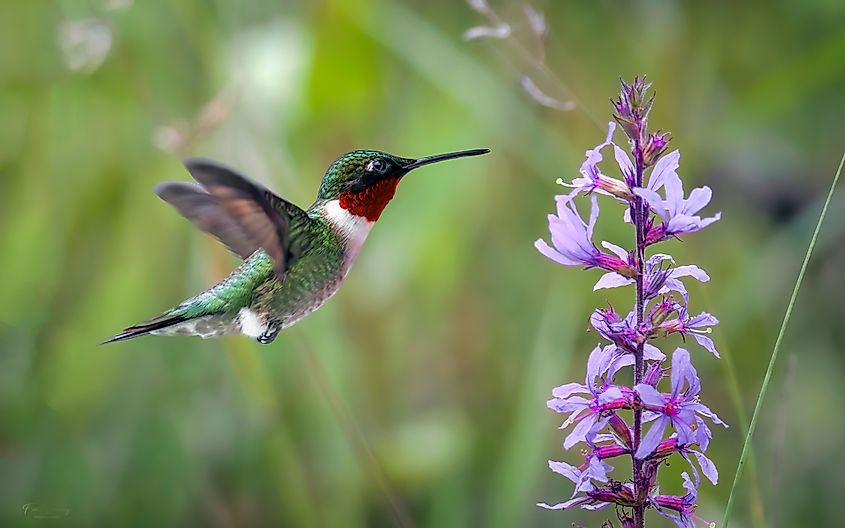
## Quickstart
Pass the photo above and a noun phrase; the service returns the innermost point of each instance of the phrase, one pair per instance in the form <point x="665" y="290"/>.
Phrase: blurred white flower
<point x="501" y="31"/>
<point x="536" y="20"/>
<point x="117" y="5"/>
<point x="480" y="6"/>
<point x="545" y="100"/>
<point x="84" y="43"/>
<point x="170" y="138"/>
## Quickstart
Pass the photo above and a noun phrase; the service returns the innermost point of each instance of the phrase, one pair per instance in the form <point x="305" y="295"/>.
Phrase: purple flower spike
<point x="639" y="422"/>
<point x="573" y="239"/>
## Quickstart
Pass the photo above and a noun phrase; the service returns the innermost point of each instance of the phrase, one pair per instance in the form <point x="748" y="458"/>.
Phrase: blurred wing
<point x="206" y="213"/>
<point x="242" y="214"/>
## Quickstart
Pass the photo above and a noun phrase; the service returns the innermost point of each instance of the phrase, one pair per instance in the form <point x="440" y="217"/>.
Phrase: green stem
<point x="776" y="349"/>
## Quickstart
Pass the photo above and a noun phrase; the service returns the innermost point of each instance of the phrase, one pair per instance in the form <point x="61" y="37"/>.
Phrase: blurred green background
<point x="416" y="397"/>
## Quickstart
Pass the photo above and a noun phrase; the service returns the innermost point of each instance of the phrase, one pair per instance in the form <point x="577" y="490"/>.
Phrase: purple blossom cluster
<point x="654" y="418"/>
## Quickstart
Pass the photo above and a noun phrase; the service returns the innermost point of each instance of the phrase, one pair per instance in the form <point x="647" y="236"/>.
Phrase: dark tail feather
<point x="162" y="321"/>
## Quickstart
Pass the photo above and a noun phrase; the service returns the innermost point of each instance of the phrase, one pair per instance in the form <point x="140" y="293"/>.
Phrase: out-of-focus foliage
<point x="417" y="395"/>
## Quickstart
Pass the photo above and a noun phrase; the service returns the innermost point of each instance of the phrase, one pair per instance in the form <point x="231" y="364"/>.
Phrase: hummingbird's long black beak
<point x="443" y="157"/>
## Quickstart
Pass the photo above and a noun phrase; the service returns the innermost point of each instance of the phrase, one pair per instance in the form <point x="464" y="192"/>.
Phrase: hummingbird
<point x="294" y="260"/>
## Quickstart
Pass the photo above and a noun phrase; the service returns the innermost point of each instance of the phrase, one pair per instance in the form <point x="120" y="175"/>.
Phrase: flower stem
<point x="638" y="217"/>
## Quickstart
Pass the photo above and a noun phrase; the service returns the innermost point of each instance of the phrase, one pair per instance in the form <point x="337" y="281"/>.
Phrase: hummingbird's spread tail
<point x="170" y="324"/>
<point x="161" y="322"/>
<point x="222" y="309"/>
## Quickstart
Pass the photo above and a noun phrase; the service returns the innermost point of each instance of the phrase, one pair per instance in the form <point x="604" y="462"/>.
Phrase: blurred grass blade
<point x="758" y="517"/>
<point x="776" y="349"/>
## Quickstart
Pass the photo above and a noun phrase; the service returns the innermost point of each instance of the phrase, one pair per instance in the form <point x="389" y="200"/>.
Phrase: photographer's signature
<point x="35" y="511"/>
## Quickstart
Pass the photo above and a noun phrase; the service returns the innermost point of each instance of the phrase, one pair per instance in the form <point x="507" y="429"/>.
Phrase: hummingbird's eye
<point x="377" y="165"/>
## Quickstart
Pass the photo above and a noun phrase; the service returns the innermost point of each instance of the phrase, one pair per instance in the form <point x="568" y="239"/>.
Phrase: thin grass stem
<point x="764" y="387"/>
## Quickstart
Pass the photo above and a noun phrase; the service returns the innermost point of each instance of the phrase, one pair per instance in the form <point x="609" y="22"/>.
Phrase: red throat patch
<point x="370" y="202"/>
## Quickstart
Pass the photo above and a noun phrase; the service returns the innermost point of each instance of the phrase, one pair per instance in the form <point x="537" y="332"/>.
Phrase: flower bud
<point x="610" y="451"/>
<point x="662" y="310"/>
<point x="655" y="146"/>
<point x="621" y="429"/>
<point x="632" y="108"/>
<point x="653" y="374"/>
<point x="615" y="493"/>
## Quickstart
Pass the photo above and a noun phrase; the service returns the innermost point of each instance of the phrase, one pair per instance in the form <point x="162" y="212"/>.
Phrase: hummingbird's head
<point x="364" y="181"/>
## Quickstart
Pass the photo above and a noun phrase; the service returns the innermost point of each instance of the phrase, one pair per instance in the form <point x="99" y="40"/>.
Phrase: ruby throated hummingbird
<point x="294" y="260"/>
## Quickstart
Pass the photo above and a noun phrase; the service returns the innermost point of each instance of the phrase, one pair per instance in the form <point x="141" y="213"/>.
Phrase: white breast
<point x="353" y="228"/>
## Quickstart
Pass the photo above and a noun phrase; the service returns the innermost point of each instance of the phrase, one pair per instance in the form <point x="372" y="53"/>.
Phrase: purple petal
<point x="664" y="166"/>
<point x="698" y="198"/>
<point x="683" y="371"/>
<point x="594" y="363"/>
<point x="674" y="193"/>
<point x="568" y="471"/>
<point x="624" y="162"/>
<point x="571" y="241"/>
<point x="692" y="488"/>
<point x="655" y="260"/>
<point x="553" y="254"/>
<point x="598" y="469"/>
<point x="679" y="522"/>
<point x="616" y="250"/>
<point x="570" y="235"/>
<point x="702" y="434"/>
<point x="612" y="280"/>
<point x="568" y="389"/>
<point x="649" y="395"/>
<point x="607" y="437"/>
<point x="594" y="155"/>
<point x="707" y="343"/>
<point x="565" y="405"/>
<point x="590" y="437"/>
<point x="609" y="395"/>
<point x="558" y="506"/>
<point x="649" y="416"/>
<point x="608" y="356"/>
<point x="564" y="505"/>
<point x="704" y="410"/>
<point x="674" y="285"/>
<point x="707" y="467"/>
<point x="654" y="201"/>
<point x="652" y="438"/>
<point x="651" y="352"/>
<point x="571" y="418"/>
<point x="681" y="223"/>
<point x="579" y="433"/>
<point x="707" y="221"/>
<point x="690" y="271"/>
<point x="685" y="433"/>
<point x="701" y="320"/>
<point x="594" y="214"/>
<point x="621" y="359"/>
